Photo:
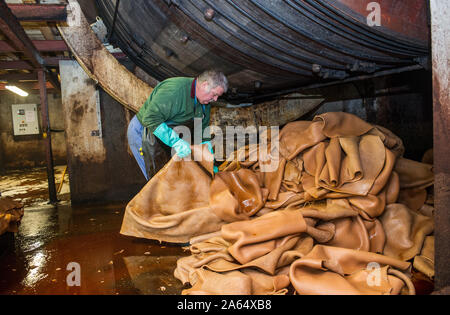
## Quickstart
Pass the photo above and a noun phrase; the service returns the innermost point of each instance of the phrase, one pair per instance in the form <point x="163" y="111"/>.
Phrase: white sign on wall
<point x="25" y="119"/>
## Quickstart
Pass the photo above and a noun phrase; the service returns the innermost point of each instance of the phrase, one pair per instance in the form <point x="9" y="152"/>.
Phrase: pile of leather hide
<point x="11" y="213"/>
<point x="342" y="213"/>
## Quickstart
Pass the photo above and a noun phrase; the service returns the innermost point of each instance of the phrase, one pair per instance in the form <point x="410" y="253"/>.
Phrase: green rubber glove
<point x="170" y="138"/>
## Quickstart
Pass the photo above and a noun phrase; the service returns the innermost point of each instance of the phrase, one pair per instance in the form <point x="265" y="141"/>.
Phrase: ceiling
<point x="18" y="64"/>
<point x="268" y="48"/>
<point x="40" y="46"/>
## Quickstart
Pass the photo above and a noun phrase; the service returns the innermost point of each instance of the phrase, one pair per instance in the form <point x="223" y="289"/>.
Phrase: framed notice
<point x="25" y="119"/>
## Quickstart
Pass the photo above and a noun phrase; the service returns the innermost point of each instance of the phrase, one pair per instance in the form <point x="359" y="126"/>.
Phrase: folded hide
<point x="174" y="205"/>
<point x="405" y="231"/>
<point x="247" y="282"/>
<point x="355" y="233"/>
<point x="330" y="270"/>
<point x="425" y="261"/>
<point x="361" y="166"/>
<point x="236" y="196"/>
<point x="329" y="177"/>
<point x="413" y="198"/>
<point x="390" y="140"/>
<point x="414" y="174"/>
<point x="259" y="236"/>
<point x="334" y="208"/>
<point x="298" y="136"/>
<point x="339" y="124"/>
<point x="11" y="213"/>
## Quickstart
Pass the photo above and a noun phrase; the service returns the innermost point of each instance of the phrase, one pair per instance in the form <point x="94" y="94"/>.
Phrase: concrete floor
<point x="30" y="187"/>
<point x="36" y="259"/>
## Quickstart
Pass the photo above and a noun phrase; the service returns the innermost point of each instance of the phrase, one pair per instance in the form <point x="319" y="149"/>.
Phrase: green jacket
<point x="173" y="101"/>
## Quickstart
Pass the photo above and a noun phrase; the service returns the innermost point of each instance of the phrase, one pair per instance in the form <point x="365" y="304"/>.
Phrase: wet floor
<point x="37" y="260"/>
<point x="30" y="186"/>
<point x="68" y="250"/>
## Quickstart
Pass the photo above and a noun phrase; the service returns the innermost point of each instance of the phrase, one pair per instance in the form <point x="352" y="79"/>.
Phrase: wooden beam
<point x="440" y="28"/>
<point x="41" y="45"/>
<point x="15" y="65"/>
<point x="27" y="86"/>
<point x="47" y="136"/>
<point x="54" y="61"/>
<point x="46" y="32"/>
<point x="5" y="47"/>
<point x="39" y="12"/>
<point x="14" y="77"/>
<point x="50" y="45"/>
<point x="25" y="65"/>
<point x="12" y="29"/>
<point x="103" y="67"/>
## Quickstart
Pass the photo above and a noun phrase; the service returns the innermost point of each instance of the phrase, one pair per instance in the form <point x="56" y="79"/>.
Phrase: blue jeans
<point x="134" y="135"/>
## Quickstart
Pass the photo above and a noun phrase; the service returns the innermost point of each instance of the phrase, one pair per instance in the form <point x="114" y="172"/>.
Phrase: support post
<point x="440" y="15"/>
<point x="47" y="137"/>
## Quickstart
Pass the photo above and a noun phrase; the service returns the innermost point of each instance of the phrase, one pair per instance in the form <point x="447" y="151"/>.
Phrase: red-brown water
<point x="35" y="260"/>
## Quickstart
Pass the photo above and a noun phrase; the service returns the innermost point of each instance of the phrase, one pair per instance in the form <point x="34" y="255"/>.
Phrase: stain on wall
<point x="100" y="168"/>
<point x="29" y="151"/>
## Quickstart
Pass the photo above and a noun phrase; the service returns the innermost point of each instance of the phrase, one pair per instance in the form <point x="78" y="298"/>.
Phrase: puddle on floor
<point x="30" y="186"/>
<point x="36" y="260"/>
<point x="53" y="242"/>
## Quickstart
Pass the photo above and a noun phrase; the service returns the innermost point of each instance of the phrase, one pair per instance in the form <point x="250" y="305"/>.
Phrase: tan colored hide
<point x="174" y="205"/>
<point x="11" y="213"/>
<point x="335" y="205"/>
<point x="333" y="270"/>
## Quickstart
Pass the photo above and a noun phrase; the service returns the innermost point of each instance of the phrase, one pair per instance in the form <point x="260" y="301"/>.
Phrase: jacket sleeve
<point x="160" y="108"/>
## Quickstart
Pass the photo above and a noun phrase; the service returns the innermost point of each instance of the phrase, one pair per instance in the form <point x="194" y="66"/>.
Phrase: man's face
<point x="206" y="95"/>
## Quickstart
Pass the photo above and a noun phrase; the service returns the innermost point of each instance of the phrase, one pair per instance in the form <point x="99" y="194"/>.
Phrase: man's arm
<point x="155" y="114"/>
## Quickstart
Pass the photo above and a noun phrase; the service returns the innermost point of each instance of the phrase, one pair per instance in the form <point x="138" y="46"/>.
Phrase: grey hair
<point x="215" y="79"/>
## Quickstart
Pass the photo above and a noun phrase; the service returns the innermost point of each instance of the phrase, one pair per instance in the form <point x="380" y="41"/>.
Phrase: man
<point x="173" y="102"/>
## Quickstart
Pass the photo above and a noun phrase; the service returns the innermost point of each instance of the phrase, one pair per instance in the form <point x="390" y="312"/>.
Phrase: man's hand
<point x="170" y="138"/>
<point x="182" y="148"/>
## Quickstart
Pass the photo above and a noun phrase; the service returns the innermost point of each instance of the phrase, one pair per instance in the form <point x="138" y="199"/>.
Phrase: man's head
<point x="210" y="86"/>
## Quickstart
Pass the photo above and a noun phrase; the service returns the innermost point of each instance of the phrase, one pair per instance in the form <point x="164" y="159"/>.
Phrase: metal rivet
<point x="316" y="68"/>
<point x="209" y="14"/>
<point x="184" y="39"/>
